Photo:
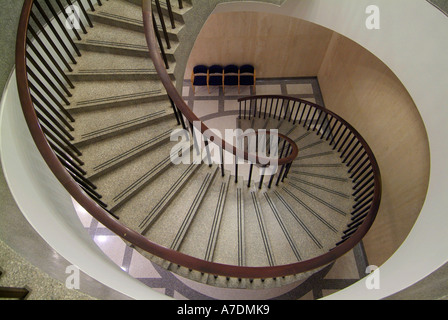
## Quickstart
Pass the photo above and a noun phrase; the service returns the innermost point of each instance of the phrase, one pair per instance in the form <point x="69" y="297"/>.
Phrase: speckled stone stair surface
<point x="97" y="66"/>
<point x="123" y="127"/>
<point x="114" y="93"/>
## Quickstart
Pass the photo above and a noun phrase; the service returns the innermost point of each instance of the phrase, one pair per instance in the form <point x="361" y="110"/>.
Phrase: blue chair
<point x="247" y="76"/>
<point x="231" y="76"/>
<point x="215" y="77"/>
<point x="199" y="76"/>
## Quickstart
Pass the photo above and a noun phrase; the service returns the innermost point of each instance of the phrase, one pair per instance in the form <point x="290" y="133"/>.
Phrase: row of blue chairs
<point x="230" y="75"/>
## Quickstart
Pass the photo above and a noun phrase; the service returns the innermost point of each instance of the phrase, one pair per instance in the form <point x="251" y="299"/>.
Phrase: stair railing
<point x="345" y="139"/>
<point x="155" y="47"/>
<point x="50" y="130"/>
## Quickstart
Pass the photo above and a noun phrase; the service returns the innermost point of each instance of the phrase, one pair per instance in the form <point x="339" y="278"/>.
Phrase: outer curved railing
<point x="354" y="150"/>
<point x="46" y="118"/>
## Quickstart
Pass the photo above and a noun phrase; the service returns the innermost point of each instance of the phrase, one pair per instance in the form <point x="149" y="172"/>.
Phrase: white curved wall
<point x="412" y="43"/>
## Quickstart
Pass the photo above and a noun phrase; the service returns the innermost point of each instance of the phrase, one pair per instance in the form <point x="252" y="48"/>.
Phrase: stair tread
<point x="108" y="93"/>
<point x="285" y="252"/>
<point x="163" y="231"/>
<point x="109" y="36"/>
<point x="136" y="209"/>
<point x="226" y="251"/>
<point x="103" y="63"/>
<point x="256" y="254"/>
<point x="116" y="120"/>
<point x="122" y="10"/>
<point x="324" y="225"/>
<point x="121" y="183"/>
<point x="303" y="227"/>
<point x="104" y="154"/>
<point x="205" y="237"/>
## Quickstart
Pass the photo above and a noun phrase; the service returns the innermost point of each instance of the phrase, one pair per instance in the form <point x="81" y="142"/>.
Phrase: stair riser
<point x="117" y="23"/>
<point x="129" y="25"/>
<point x="111" y="49"/>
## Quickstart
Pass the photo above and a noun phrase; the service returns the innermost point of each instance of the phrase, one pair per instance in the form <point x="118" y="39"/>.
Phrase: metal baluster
<point x="162" y="22"/>
<point x="47" y="36"/>
<point x="54" y="31"/>
<point x="84" y="12"/>
<point x="61" y="7"/>
<point x="250" y="175"/>
<point x="159" y="40"/>
<point x="63" y="28"/>
<point x="170" y="13"/>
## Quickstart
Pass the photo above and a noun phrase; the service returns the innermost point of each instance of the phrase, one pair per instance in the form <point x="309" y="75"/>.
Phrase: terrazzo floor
<point x="208" y="107"/>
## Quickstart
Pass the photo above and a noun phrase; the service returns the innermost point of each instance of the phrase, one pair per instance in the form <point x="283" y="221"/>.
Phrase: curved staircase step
<point x="114" y="94"/>
<point x="123" y="183"/>
<point x="168" y="225"/>
<point x="117" y="121"/>
<point x="206" y="226"/>
<point x="105" y="155"/>
<point x="98" y="66"/>
<point x="107" y="38"/>
<point x="120" y="13"/>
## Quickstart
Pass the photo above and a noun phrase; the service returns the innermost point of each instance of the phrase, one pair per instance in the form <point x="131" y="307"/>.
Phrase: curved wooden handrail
<point x="290" y="158"/>
<point x="100" y="214"/>
<point x="160" y="66"/>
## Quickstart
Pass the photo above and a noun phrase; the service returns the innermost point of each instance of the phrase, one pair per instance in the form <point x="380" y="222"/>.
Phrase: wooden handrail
<point x="160" y="66"/>
<point x="340" y="249"/>
<point x="100" y="214"/>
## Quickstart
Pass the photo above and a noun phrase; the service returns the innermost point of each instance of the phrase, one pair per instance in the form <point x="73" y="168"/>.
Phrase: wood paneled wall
<point x="365" y="92"/>
<point x="276" y="45"/>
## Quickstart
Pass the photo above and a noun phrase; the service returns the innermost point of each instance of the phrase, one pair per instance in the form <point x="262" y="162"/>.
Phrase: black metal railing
<point x="47" y="52"/>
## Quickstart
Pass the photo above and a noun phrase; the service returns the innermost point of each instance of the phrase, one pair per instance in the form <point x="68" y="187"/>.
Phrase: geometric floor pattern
<point x="342" y="273"/>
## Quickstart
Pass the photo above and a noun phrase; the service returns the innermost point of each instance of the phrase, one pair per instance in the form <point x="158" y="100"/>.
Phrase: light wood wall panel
<point x="278" y="46"/>
<point x="363" y="90"/>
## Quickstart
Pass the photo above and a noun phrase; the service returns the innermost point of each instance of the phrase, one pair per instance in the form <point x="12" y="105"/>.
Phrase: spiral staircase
<point x="105" y="111"/>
